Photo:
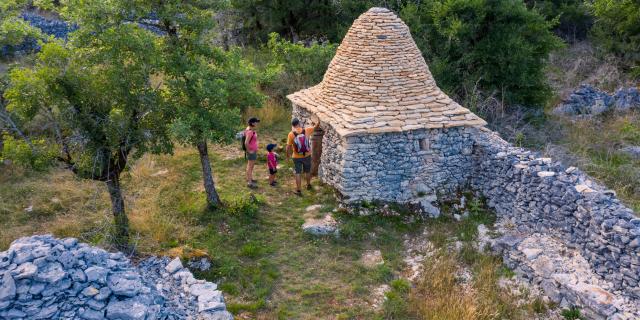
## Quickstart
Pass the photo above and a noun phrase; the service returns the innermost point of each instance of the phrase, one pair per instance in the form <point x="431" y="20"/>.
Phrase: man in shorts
<point x="299" y="148"/>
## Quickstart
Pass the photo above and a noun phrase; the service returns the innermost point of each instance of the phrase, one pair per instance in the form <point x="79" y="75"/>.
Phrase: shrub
<point x="302" y="66"/>
<point x="499" y="46"/>
<point x="573" y="17"/>
<point x="39" y="156"/>
<point x="617" y="30"/>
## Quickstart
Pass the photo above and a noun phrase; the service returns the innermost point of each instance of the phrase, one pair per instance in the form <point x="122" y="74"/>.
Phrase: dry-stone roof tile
<point x="378" y="82"/>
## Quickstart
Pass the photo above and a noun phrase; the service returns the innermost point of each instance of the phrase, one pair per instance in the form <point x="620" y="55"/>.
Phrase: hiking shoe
<point x="298" y="193"/>
<point x="309" y="187"/>
<point x="273" y="184"/>
<point x="252" y="185"/>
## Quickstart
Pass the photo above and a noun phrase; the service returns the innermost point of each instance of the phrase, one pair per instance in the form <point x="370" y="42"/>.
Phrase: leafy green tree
<point x="499" y="46"/>
<point x="96" y="97"/>
<point x="617" y="29"/>
<point x="207" y="86"/>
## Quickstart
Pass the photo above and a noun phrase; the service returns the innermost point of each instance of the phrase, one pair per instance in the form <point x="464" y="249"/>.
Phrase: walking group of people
<point x="298" y="149"/>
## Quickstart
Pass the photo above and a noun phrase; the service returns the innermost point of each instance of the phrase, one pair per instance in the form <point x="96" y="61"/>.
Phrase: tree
<point x="95" y="96"/>
<point x="13" y="29"/>
<point x="292" y="19"/>
<point x="617" y="30"/>
<point x="207" y="86"/>
<point x="498" y="45"/>
<point x="573" y="16"/>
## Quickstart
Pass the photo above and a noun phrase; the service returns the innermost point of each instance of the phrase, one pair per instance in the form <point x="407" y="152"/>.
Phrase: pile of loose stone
<point x="563" y="275"/>
<point x="42" y="277"/>
<point x="588" y="100"/>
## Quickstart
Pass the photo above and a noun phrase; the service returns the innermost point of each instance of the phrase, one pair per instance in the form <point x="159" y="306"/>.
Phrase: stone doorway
<point x="316" y="150"/>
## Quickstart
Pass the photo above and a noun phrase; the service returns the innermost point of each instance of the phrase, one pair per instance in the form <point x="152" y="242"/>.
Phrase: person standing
<point x="251" y="147"/>
<point x="272" y="163"/>
<point x="299" y="148"/>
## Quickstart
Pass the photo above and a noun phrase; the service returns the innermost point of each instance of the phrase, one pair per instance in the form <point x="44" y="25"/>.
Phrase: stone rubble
<point x="564" y="276"/>
<point x="48" y="278"/>
<point x="589" y="101"/>
<point x="321" y="227"/>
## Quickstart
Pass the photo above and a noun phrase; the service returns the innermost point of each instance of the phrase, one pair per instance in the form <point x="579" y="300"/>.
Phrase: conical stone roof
<point x="378" y="82"/>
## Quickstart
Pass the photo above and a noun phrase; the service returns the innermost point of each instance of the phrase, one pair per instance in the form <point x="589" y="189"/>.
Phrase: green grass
<point x="265" y="265"/>
<point x="598" y="142"/>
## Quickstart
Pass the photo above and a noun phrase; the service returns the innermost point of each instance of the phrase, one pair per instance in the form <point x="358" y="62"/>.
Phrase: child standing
<point x="272" y="163"/>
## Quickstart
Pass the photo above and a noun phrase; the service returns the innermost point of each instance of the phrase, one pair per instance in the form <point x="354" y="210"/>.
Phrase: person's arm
<point x="289" y="146"/>
<point x="248" y="139"/>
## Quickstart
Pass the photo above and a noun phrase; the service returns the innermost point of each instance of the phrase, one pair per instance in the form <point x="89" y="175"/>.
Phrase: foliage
<point x="573" y="16"/>
<point x="302" y="66"/>
<point x="617" y="29"/>
<point x="499" y="46"/>
<point x="39" y="156"/>
<point x="13" y="29"/>
<point x="571" y="314"/>
<point x="293" y="19"/>
<point x="96" y="97"/>
<point x="99" y="111"/>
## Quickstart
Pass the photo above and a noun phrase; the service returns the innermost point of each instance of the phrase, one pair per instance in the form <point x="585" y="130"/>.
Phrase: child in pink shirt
<point x="272" y="163"/>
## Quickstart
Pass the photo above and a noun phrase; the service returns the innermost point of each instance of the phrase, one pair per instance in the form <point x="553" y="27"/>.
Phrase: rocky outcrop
<point x="588" y="101"/>
<point x="47" y="278"/>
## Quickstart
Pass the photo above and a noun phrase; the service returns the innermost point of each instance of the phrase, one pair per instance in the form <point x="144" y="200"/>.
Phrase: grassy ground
<point x="266" y="266"/>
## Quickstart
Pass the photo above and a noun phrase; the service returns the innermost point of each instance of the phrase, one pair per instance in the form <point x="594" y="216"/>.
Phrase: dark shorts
<point x="302" y="164"/>
<point x="252" y="156"/>
<point x="273" y="171"/>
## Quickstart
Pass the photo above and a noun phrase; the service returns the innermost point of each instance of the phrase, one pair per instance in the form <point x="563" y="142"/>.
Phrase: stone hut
<point x="388" y="132"/>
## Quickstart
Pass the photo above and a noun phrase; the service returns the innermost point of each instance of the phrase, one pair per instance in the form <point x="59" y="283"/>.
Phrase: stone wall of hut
<point x="395" y="167"/>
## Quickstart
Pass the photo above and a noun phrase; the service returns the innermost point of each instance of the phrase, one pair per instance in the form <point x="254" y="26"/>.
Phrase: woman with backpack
<point x="299" y="148"/>
<point x="250" y="145"/>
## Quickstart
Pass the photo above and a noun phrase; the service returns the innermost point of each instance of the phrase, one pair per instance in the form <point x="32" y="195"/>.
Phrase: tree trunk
<point x="119" y="215"/>
<point x="213" y="200"/>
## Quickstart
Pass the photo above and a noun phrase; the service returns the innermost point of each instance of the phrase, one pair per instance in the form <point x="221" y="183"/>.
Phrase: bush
<point x="498" y="46"/>
<point x="39" y="157"/>
<point x="573" y="17"/>
<point x="302" y="66"/>
<point x="617" y="30"/>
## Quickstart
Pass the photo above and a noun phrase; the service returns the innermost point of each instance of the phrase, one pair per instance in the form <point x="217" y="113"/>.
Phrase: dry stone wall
<point x="42" y="277"/>
<point x="541" y="196"/>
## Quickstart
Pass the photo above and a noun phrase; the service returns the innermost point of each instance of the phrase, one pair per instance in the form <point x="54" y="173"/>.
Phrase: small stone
<point x="210" y="305"/>
<point x="129" y="309"/>
<point x="90" y="314"/>
<point x="25" y="271"/>
<point x="51" y="273"/>
<point x="96" y="274"/>
<point x="174" y="265"/>
<point x="199" y="289"/>
<point x="90" y="291"/>
<point x="125" y="284"/>
<point x="325" y="226"/>
<point x="531" y="254"/>
<point x="546" y="174"/>
<point x="8" y="287"/>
